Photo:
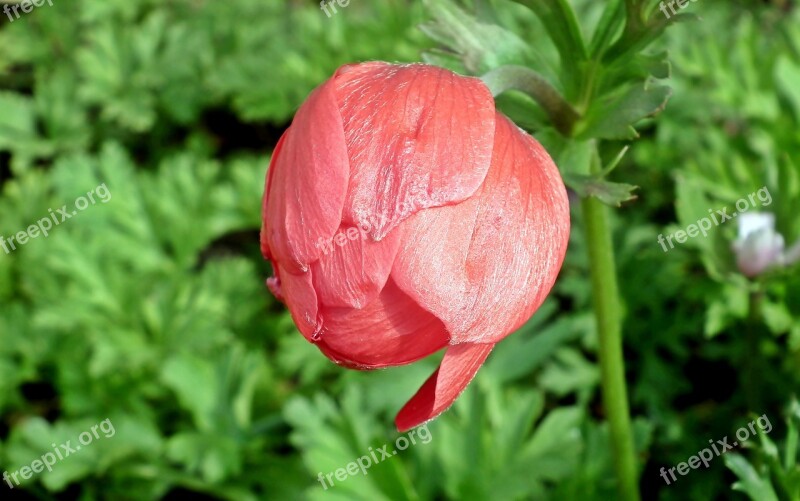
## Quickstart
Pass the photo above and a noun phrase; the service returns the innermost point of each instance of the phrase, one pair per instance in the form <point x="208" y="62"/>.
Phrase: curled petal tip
<point x="459" y="365"/>
<point x="274" y="286"/>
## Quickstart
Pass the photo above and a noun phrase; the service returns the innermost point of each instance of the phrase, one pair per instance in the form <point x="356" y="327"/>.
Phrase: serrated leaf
<point x="195" y="384"/>
<point x="560" y="21"/>
<point x="787" y="74"/>
<point x="608" y="27"/>
<point x="756" y="486"/>
<point x="480" y="46"/>
<point x="568" y="372"/>
<point x="556" y="444"/>
<point x="613" y="117"/>
<point x="613" y="194"/>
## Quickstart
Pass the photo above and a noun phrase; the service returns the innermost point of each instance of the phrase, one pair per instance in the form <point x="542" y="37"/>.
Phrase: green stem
<point x="605" y="293"/>
<point x="751" y="357"/>
<point x="561" y="113"/>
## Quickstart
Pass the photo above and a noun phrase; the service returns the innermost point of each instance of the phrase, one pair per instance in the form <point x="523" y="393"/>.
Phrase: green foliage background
<point x="151" y="310"/>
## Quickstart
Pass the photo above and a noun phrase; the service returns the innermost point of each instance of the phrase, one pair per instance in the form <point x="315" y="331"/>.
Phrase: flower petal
<point x="353" y="268"/>
<point x="751" y="222"/>
<point x="484" y="266"/>
<point x="297" y="292"/>
<point x="459" y="365"/>
<point x="758" y="246"/>
<point x="307" y="182"/>
<point x="412" y="131"/>
<point x="391" y="330"/>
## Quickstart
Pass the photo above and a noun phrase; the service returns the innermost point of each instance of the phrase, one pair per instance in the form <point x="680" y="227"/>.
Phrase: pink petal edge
<point x="418" y="136"/>
<point x="459" y="365"/>
<point x="392" y="330"/>
<point x="307" y="183"/>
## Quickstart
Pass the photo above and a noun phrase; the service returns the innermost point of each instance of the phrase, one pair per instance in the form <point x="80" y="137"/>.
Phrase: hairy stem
<point x="605" y="293"/>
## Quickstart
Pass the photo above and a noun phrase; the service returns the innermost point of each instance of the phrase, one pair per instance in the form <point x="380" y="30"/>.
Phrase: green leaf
<point x="556" y="444"/>
<point x="216" y="457"/>
<point x="777" y="317"/>
<point x="569" y="372"/>
<point x="756" y="486"/>
<point x="18" y="120"/>
<point x="194" y="382"/>
<point x="787" y="74"/>
<point x="637" y="68"/>
<point x="613" y="194"/>
<point x="530" y="347"/>
<point x="792" y="436"/>
<point x="117" y="77"/>
<point x="613" y="117"/>
<point x="479" y="45"/>
<point x="609" y="26"/>
<point x="633" y="42"/>
<point x="561" y="24"/>
<point x="18" y="130"/>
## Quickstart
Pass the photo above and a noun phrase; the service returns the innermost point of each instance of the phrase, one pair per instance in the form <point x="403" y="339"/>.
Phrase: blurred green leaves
<point x="151" y="309"/>
<point x="126" y="289"/>
<point x="145" y="67"/>
<point x="772" y="472"/>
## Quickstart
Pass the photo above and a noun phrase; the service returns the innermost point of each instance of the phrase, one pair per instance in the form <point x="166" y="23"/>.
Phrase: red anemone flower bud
<point x="403" y="214"/>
